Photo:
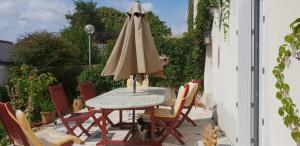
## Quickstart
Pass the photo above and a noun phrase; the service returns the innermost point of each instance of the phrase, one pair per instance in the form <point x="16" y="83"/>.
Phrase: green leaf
<point x="296" y="135"/>
<point x="289" y="38"/>
<point x="279" y="95"/>
<point x="281" y="112"/>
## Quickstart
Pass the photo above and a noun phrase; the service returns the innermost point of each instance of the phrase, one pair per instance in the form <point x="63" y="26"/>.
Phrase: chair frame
<point x="189" y="107"/>
<point x="87" y="91"/>
<point x="12" y="128"/>
<point x="169" y="124"/>
<point x="63" y="106"/>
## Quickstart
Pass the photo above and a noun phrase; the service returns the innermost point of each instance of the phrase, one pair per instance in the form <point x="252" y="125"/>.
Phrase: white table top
<point x="124" y="98"/>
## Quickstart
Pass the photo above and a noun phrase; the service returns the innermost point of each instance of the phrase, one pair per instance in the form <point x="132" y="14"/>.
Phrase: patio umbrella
<point x="135" y="52"/>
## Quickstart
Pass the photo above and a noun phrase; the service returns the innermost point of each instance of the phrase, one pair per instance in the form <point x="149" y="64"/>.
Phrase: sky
<point x="18" y="17"/>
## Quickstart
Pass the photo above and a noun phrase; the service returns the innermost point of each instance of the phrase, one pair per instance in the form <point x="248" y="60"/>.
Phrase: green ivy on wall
<point x="190" y="19"/>
<point x="225" y="9"/>
<point x="224" y="6"/>
<point x="291" y="48"/>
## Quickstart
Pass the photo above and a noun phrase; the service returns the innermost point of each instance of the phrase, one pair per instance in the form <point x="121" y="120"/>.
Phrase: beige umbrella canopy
<point x="135" y="51"/>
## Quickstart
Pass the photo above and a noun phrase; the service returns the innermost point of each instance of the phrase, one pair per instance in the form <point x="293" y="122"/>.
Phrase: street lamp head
<point x="89" y="29"/>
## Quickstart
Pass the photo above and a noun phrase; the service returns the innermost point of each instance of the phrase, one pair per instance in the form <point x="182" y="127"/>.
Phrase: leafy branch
<point x="291" y="48"/>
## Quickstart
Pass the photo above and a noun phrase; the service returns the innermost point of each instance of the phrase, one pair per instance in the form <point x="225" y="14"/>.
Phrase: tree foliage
<point x="112" y="21"/>
<point x="85" y="13"/>
<point x="49" y="52"/>
<point x="157" y="26"/>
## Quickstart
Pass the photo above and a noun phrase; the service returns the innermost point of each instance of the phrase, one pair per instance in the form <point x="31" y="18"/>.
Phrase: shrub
<point x="185" y="61"/>
<point x="4" y="94"/>
<point x="46" y="105"/>
<point x="102" y="84"/>
<point x="28" y="87"/>
<point x="4" y="141"/>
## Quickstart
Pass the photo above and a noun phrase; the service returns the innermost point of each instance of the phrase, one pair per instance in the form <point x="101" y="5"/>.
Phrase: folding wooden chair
<point x="190" y="101"/>
<point x="23" y="134"/>
<point x="61" y="105"/>
<point x="168" y="119"/>
<point x="13" y="130"/>
<point x="87" y="91"/>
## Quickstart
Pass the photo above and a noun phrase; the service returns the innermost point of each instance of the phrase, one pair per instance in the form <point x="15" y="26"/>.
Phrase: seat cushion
<point x="160" y="113"/>
<point x="193" y="87"/>
<point x="51" y="137"/>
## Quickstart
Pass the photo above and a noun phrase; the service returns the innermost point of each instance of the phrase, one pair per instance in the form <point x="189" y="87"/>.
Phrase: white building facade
<point x="238" y="72"/>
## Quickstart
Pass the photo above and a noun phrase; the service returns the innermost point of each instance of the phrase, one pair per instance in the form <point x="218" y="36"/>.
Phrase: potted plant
<point x="47" y="111"/>
<point x="78" y="104"/>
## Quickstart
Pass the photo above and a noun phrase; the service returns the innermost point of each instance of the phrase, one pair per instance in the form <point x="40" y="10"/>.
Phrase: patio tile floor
<point x="192" y="134"/>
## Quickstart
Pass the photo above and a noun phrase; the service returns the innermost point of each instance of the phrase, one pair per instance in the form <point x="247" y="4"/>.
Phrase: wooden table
<point x="124" y="99"/>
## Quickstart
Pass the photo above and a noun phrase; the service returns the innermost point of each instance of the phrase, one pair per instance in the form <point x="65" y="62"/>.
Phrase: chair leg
<point x="83" y="130"/>
<point x="177" y="137"/>
<point x="164" y="135"/>
<point x="191" y="121"/>
<point x="69" y="129"/>
<point x="177" y="132"/>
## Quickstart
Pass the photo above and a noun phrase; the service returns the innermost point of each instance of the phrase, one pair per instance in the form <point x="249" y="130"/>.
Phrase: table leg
<point x="104" y="131"/>
<point x="152" y="135"/>
<point x="120" y="118"/>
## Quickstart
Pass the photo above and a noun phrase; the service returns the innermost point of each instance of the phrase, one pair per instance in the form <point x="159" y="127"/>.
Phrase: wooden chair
<point x="168" y="118"/>
<point x="209" y="137"/>
<point x="61" y="105"/>
<point x="190" y="101"/>
<point x="13" y="130"/>
<point x="25" y="134"/>
<point x="87" y="91"/>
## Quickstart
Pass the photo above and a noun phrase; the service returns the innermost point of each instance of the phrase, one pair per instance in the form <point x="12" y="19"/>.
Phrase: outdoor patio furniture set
<point x="99" y="107"/>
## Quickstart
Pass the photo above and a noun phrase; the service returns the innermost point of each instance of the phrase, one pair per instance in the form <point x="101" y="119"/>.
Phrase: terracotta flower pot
<point x="47" y="117"/>
<point x="78" y="105"/>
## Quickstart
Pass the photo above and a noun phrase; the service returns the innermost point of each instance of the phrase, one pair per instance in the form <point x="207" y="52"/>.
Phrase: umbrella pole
<point x="134" y="83"/>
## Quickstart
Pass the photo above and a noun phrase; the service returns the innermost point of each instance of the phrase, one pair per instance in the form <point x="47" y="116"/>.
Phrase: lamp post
<point x="89" y="29"/>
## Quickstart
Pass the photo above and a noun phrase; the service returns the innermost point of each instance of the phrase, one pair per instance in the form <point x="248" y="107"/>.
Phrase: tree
<point x="49" y="52"/>
<point x="112" y="21"/>
<point x="78" y="37"/>
<point x="85" y="13"/>
<point x="158" y="27"/>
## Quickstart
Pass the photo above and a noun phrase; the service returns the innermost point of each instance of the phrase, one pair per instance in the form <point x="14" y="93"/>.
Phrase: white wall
<point x="3" y="75"/>
<point x="279" y="14"/>
<point x="224" y="75"/>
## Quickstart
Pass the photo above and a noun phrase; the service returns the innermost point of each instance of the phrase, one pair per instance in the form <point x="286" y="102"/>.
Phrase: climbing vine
<point x="190" y="19"/>
<point x="291" y="48"/>
<point x="224" y="6"/>
<point x="225" y="9"/>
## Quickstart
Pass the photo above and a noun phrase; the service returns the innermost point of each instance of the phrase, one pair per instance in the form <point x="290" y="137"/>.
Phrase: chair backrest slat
<point x="12" y="128"/>
<point x="87" y="90"/>
<point x="59" y="99"/>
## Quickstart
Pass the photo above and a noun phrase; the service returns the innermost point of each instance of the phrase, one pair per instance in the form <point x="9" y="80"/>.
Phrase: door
<point x="248" y="73"/>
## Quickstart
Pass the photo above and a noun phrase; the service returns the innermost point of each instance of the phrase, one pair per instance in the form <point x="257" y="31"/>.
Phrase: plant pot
<point x="78" y="105"/>
<point x="47" y="117"/>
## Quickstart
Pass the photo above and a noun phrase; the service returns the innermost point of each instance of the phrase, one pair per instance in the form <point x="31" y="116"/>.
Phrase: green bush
<point x="102" y="84"/>
<point x="4" y="94"/>
<point x="46" y="105"/>
<point x="4" y="141"/>
<point x="28" y="87"/>
<point x="185" y="61"/>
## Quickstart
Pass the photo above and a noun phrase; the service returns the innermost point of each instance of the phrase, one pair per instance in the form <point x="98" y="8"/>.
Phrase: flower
<point x="30" y="78"/>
